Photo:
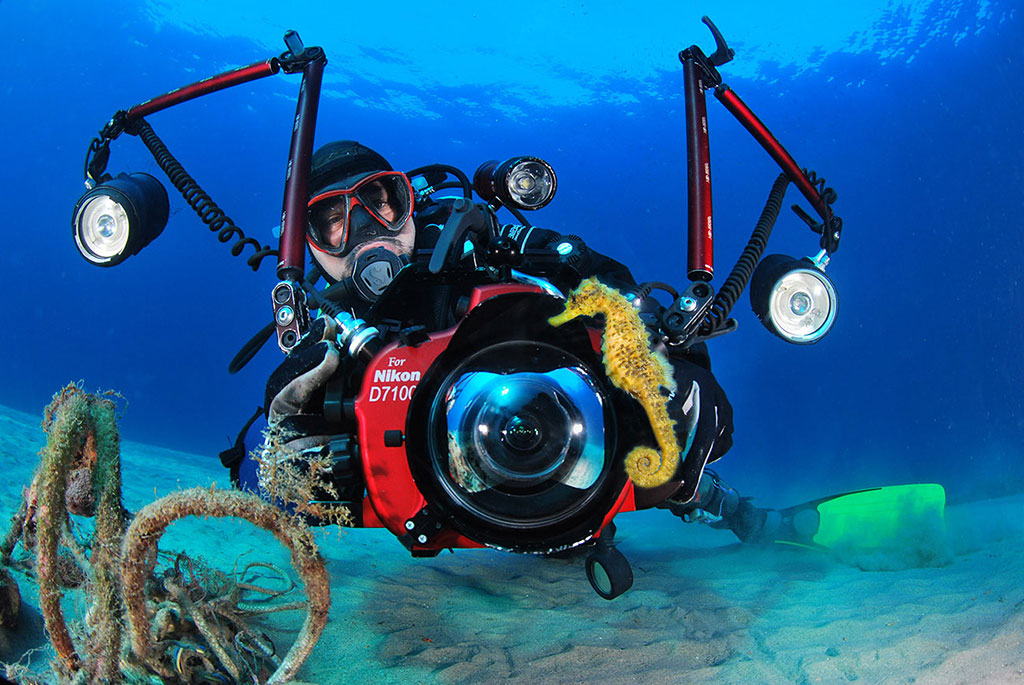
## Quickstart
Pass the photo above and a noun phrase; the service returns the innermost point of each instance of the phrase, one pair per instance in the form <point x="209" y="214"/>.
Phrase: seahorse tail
<point x="649" y="469"/>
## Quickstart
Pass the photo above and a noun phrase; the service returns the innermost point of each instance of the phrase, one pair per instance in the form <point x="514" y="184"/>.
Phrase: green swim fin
<point x="865" y="519"/>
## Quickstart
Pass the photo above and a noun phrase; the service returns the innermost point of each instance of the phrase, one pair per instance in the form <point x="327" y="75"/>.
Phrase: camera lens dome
<point x="520" y="427"/>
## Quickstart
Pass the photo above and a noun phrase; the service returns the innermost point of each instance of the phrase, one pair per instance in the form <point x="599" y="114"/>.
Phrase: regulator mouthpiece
<point x="793" y="298"/>
<point x="520" y="182"/>
<point x="117" y="218"/>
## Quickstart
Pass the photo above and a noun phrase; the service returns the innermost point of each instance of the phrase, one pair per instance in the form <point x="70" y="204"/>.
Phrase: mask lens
<point x="328" y="222"/>
<point x="378" y="204"/>
<point x="387" y="198"/>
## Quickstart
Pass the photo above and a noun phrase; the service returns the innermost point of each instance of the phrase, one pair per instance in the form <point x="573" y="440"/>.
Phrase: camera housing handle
<point x="466" y="218"/>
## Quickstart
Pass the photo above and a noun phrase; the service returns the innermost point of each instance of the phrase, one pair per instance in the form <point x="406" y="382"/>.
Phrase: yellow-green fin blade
<point x="866" y="519"/>
<point x="873" y="518"/>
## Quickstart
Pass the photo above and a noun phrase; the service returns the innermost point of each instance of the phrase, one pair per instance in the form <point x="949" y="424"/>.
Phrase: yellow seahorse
<point x="632" y="366"/>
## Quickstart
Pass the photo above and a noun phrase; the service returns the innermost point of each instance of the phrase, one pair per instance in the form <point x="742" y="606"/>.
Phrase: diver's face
<point x="340" y="268"/>
<point x="332" y="216"/>
<point x="344" y="223"/>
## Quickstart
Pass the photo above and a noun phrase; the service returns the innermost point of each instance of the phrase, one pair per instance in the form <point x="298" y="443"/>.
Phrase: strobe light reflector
<point x="793" y="298"/>
<point x="119" y="217"/>
<point x="521" y="182"/>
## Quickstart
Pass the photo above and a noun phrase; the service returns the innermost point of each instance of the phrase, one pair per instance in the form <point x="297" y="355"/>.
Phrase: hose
<point x="467" y="187"/>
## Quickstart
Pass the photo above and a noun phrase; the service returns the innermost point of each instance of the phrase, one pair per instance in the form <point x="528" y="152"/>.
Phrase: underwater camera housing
<point x="477" y="422"/>
<point x="501" y="431"/>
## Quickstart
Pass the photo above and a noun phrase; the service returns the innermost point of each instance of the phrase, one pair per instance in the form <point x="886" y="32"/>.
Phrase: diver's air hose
<point x="464" y="183"/>
<point x="208" y="211"/>
<point x="740" y="275"/>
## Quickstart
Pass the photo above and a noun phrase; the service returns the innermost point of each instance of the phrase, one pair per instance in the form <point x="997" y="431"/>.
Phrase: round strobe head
<point x="794" y="299"/>
<point x="117" y="218"/>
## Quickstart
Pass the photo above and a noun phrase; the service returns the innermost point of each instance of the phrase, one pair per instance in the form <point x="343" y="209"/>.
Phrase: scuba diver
<point x="363" y="229"/>
<point x="438" y="393"/>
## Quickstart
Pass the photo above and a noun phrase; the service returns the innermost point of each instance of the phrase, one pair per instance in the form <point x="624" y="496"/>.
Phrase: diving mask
<point x="342" y="217"/>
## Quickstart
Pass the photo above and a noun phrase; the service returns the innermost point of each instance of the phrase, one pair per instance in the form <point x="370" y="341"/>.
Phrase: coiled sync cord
<point x="197" y="198"/>
<point x="828" y="195"/>
<point x="740" y="275"/>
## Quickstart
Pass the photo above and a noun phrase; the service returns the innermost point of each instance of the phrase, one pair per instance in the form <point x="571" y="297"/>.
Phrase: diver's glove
<point x="299" y="434"/>
<point x="294" y="398"/>
<point x="302" y="376"/>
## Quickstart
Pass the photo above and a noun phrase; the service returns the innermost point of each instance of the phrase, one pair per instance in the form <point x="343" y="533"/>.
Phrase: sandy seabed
<point x="703" y="608"/>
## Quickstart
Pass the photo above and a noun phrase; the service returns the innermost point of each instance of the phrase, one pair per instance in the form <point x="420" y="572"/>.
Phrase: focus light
<point x="520" y="182"/>
<point x="793" y="298"/>
<point x="119" y="217"/>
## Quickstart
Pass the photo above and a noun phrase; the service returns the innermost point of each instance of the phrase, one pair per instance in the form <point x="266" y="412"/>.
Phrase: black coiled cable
<point x="197" y="198"/>
<point x="828" y="195"/>
<point x="645" y="288"/>
<point x="740" y="275"/>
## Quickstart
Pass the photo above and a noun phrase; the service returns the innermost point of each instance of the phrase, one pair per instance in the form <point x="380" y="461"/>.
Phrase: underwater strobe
<point x="794" y="298"/>
<point x="119" y="217"/>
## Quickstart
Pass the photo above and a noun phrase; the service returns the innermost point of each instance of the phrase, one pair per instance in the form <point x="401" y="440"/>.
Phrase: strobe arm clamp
<point x="295" y="59"/>
<point x="707" y="64"/>
<point x="98" y="154"/>
<point x="830" y="230"/>
<point x="680" y="322"/>
<point x="291" y="314"/>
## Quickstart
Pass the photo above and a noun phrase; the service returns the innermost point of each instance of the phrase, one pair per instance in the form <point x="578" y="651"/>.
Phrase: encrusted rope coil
<point x="152" y="520"/>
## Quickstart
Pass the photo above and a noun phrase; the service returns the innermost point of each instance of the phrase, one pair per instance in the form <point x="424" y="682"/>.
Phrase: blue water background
<point x="910" y="110"/>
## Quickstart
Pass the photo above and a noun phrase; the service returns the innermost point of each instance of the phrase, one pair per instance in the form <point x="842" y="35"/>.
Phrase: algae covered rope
<point x="152" y="520"/>
<point x="81" y="426"/>
<point x="69" y="417"/>
<point x="106" y="551"/>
